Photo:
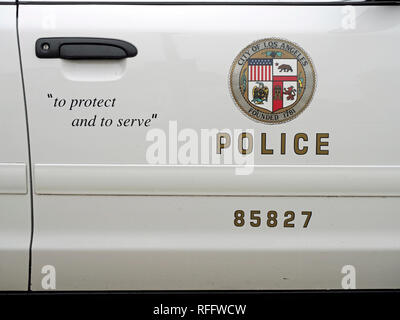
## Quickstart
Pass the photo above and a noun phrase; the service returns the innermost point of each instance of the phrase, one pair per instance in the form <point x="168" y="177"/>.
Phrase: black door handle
<point x="84" y="48"/>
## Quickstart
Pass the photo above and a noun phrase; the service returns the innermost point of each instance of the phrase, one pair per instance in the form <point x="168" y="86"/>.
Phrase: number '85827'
<point x="271" y="218"/>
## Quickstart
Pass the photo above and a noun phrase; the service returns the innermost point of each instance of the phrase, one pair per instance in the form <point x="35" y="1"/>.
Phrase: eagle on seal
<point x="260" y="93"/>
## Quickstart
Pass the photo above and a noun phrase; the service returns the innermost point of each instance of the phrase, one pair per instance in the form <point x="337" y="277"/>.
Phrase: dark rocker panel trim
<point x="199" y="3"/>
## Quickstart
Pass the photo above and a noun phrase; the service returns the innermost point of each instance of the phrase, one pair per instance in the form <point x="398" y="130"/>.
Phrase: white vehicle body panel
<point x="106" y="219"/>
<point x="15" y="211"/>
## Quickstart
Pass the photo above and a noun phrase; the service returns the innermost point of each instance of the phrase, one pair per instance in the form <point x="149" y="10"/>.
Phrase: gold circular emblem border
<point x="313" y="82"/>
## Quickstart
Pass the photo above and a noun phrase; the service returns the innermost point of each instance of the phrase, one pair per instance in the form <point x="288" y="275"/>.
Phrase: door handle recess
<point x="84" y="48"/>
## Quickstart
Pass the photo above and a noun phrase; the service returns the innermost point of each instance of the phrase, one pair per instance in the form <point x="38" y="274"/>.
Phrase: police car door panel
<point x="128" y="192"/>
<point x="15" y="211"/>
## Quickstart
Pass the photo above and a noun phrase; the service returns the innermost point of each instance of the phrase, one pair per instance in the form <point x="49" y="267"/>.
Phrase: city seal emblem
<point x="272" y="80"/>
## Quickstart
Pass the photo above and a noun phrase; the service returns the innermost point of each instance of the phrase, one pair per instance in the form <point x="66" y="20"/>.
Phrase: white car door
<point x="206" y="160"/>
<point x="15" y="205"/>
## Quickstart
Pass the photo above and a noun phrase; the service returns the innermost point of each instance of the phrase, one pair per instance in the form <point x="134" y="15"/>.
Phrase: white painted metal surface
<point x="217" y="180"/>
<point x="180" y="74"/>
<point x="155" y="243"/>
<point x="15" y="213"/>
<point x="13" y="178"/>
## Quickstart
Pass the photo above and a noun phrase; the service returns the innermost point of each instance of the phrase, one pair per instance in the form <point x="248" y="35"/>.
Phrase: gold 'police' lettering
<point x="246" y="143"/>
<point x="297" y="148"/>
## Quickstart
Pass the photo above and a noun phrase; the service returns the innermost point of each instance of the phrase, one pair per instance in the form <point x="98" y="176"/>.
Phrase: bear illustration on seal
<point x="285" y="68"/>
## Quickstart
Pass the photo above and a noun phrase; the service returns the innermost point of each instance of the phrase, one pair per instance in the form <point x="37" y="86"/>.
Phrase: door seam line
<point x="30" y="176"/>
